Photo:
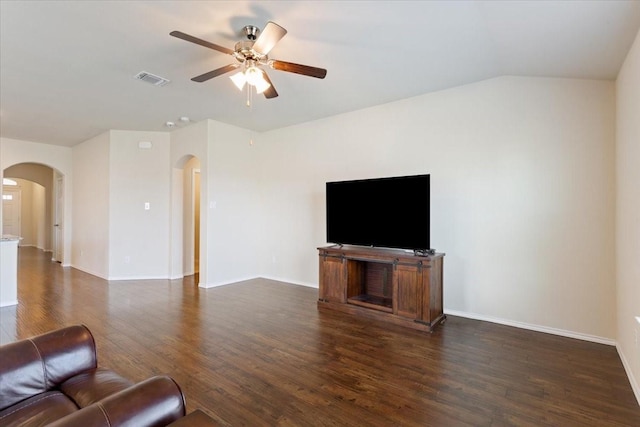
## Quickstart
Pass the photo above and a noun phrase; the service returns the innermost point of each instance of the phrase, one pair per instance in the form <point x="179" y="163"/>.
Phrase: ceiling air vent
<point x="151" y="78"/>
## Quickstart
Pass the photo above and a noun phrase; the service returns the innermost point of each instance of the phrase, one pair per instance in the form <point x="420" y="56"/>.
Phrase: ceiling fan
<point x="251" y="55"/>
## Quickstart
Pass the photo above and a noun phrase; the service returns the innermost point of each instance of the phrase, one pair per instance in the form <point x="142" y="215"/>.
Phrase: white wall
<point x="13" y="152"/>
<point x="27" y="228"/>
<point x="232" y="210"/>
<point x="114" y="236"/>
<point x="628" y="213"/>
<point x="91" y="206"/>
<point x="138" y="239"/>
<point x="522" y="194"/>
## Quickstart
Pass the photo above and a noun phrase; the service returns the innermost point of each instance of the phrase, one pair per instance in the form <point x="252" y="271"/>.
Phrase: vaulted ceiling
<point x="67" y="67"/>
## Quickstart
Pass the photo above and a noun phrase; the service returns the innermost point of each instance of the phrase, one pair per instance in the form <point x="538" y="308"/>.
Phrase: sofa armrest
<point x="155" y="402"/>
<point x="35" y="365"/>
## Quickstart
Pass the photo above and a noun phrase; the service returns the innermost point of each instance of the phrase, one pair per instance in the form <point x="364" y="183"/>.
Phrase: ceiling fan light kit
<point x="252" y="54"/>
<point x="253" y="76"/>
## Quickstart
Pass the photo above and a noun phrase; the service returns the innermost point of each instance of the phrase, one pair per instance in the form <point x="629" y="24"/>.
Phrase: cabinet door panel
<point x="432" y="286"/>
<point x="333" y="279"/>
<point x="408" y="292"/>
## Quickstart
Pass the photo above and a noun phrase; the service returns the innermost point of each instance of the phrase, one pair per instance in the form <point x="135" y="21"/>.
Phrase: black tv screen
<point x="382" y="212"/>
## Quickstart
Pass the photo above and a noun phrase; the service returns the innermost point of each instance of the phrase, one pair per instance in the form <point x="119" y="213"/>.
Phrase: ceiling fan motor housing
<point x="251" y="32"/>
<point x="244" y="51"/>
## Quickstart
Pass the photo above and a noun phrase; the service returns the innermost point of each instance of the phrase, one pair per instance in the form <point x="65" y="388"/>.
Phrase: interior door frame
<point x="195" y="220"/>
<point x="58" y="218"/>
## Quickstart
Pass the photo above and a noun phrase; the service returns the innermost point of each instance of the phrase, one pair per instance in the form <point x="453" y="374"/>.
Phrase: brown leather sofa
<point x="54" y="380"/>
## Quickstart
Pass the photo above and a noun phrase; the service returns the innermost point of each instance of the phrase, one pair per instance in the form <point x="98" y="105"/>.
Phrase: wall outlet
<point x="127" y="259"/>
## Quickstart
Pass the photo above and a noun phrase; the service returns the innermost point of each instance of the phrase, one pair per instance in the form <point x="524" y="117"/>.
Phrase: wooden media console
<point x="387" y="284"/>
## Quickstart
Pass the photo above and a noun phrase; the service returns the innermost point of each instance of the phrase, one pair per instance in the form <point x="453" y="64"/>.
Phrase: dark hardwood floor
<point x="259" y="353"/>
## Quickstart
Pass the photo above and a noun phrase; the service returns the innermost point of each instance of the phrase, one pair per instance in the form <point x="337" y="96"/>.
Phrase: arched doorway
<point x="186" y="228"/>
<point x="41" y="208"/>
<point x="191" y="218"/>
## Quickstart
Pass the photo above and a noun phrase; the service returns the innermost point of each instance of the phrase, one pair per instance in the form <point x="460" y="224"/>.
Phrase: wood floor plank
<point x="260" y="353"/>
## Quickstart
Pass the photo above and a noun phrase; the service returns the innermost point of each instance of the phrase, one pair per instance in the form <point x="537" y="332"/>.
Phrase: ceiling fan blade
<point x="201" y="42"/>
<point x="271" y="91"/>
<point x="268" y="38"/>
<point x="211" y="74"/>
<point x="305" y="70"/>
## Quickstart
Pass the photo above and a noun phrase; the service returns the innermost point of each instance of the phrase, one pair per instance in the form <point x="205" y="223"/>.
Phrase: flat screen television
<point x="389" y="212"/>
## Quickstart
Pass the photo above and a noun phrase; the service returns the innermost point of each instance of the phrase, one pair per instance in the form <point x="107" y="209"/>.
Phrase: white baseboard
<point x="9" y="303"/>
<point x="213" y="285"/>
<point x="216" y="284"/>
<point x="86" y="270"/>
<point x="293" y="282"/>
<point x="532" y="327"/>
<point x="120" y="278"/>
<point x="632" y="380"/>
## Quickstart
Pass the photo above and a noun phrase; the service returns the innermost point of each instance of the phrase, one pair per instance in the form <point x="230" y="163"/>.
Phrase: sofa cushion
<point x="90" y="387"/>
<point x="38" y="410"/>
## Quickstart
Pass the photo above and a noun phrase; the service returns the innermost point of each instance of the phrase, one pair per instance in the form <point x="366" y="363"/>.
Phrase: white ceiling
<point x="67" y="67"/>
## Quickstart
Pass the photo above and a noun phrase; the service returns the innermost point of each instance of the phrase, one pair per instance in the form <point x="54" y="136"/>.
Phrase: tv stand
<point x="386" y="284"/>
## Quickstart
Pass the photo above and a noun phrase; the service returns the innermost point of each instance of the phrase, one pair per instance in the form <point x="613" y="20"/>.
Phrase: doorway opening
<point x="191" y="217"/>
<point x="195" y="198"/>
<point x="33" y="208"/>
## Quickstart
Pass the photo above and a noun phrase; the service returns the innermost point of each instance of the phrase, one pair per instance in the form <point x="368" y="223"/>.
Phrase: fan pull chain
<point x="249" y="96"/>
<point x="250" y="106"/>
